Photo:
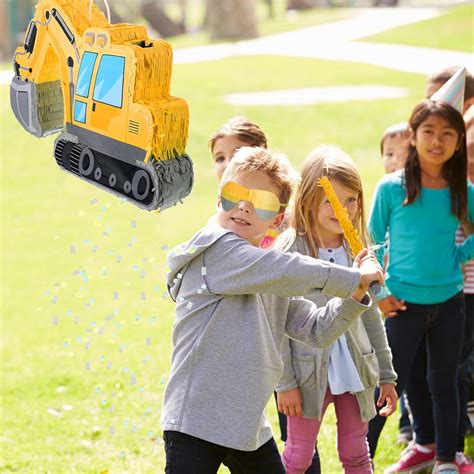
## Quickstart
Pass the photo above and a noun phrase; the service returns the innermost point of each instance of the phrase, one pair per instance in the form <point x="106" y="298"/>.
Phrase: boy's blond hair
<point x="276" y="165"/>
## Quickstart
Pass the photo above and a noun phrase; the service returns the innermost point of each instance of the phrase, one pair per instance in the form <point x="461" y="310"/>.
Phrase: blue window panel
<point x="85" y="73"/>
<point x="109" y="81"/>
<point x="80" y="111"/>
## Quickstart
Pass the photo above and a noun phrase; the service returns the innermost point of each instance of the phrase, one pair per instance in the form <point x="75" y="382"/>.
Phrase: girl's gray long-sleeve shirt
<point x="233" y="308"/>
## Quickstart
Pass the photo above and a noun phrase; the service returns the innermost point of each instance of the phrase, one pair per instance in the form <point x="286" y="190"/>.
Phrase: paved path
<point x="336" y="41"/>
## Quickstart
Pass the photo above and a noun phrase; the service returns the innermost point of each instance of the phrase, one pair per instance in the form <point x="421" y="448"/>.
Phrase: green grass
<point x="58" y="294"/>
<point x="452" y="30"/>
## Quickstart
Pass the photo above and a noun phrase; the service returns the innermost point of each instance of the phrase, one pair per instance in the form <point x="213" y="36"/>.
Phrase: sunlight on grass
<point x="435" y="33"/>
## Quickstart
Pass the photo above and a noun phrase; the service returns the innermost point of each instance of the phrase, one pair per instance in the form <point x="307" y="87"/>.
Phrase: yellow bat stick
<point x="350" y="233"/>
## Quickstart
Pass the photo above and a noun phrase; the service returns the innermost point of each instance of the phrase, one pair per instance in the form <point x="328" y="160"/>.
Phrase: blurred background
<point x="175" y="18"/>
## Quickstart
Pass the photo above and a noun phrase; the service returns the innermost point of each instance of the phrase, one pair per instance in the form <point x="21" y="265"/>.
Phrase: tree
<point x="231" y="19"/>
<point x="305" y="4"/>
<point x="156" y="15"/>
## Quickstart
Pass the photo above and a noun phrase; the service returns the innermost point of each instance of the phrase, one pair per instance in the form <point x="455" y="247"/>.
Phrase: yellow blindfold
<point x="266" y="204"/>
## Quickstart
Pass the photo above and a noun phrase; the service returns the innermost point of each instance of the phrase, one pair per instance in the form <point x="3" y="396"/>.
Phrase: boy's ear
<point x="277" y="221"/>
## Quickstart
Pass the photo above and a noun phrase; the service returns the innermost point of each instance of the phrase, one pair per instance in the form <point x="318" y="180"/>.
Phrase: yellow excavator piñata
<point x="106" y="88"/>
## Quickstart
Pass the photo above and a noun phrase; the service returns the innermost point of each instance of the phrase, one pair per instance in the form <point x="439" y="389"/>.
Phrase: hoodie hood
<point x="179" y="258"/>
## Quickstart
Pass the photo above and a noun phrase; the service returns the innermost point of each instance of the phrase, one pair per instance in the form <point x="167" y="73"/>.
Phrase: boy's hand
<point x="391" y="305"/>
<point x="388" y="396"/>
<point x="290" y="402"/>
<point x="370" y="269"/>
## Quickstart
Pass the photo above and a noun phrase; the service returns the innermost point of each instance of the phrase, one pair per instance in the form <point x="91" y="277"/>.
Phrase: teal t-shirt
<point x="424" y="262"/>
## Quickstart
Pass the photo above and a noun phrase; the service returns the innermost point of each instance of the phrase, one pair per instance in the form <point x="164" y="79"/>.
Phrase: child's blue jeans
<point x="442" y="326"/>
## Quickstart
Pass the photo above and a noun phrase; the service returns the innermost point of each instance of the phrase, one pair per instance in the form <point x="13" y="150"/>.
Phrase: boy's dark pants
<point x="186" y="454"/>
<point x="442" y="326"/>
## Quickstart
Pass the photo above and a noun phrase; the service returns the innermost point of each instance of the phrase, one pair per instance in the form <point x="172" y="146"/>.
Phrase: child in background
<point x="234" y="134"/>
<point x="465" y="369"/>
<point x="436" y="80"/>
<point x="419" y="386"/>
<point x="394" y="147"/>
<point x="394" y="150"/>
<point x="347" y="372"/>
<point x="421" y="207"/>
<point x="227" y="334"/>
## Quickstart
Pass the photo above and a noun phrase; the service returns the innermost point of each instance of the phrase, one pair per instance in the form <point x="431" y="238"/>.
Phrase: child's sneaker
<point x="464" y="463"/>
<point x="413" y="460"/>
<point x="445" y="468"/>
<point x="404" y="437"/>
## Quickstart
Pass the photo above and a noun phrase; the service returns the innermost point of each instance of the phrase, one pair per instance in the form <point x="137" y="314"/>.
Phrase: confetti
<point x="164" y="248"/>
<point x="55" y="320"/>
<point x="67" y="407"/>
<point x="112" y="430"/>
<point x="148" y="341"/>
<point x="88" y="366"/>
<point x="133" y="224"/>
<point x="116" y="295"/>
<point x="143" y="295"/>
<point x="203" y="271"/>
<point x="73" y="249"/>
<point x="189" y="305"/>
<point x="60" y="389"/>
<point x="54" y="412"/>
<point x="94" y="201"/>
<point x="95" y="248"/>
<point x="118" y="259"/>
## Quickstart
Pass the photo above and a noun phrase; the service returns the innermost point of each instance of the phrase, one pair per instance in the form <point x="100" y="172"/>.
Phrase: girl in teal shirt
<point x="421" y="207"/>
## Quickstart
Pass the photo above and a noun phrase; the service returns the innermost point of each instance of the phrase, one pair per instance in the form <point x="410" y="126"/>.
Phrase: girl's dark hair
<point x="454" y="170"/>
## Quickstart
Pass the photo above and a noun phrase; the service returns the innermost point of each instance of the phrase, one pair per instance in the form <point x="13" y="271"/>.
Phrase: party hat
<point x="452" y="92"/>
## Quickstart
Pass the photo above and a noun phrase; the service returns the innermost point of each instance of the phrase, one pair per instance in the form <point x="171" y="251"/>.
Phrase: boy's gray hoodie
<point x="233" y="308"/>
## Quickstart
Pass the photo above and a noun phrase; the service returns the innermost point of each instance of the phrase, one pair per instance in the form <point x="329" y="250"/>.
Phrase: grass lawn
<point x="435" y="33"/>
<point x="86" y="323"/>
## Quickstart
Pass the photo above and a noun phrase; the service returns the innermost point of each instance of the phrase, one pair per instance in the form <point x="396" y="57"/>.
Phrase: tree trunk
<point x="155" y="14"/>
<point x="305" y="4"/>
<point x="232" y="19"/>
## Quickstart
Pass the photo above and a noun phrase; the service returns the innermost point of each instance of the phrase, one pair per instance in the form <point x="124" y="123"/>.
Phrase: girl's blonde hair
<point x="330" y="161"/>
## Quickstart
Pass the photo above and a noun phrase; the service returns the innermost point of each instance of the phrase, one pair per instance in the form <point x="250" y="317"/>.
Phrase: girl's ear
<point x="412" y="137"/>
